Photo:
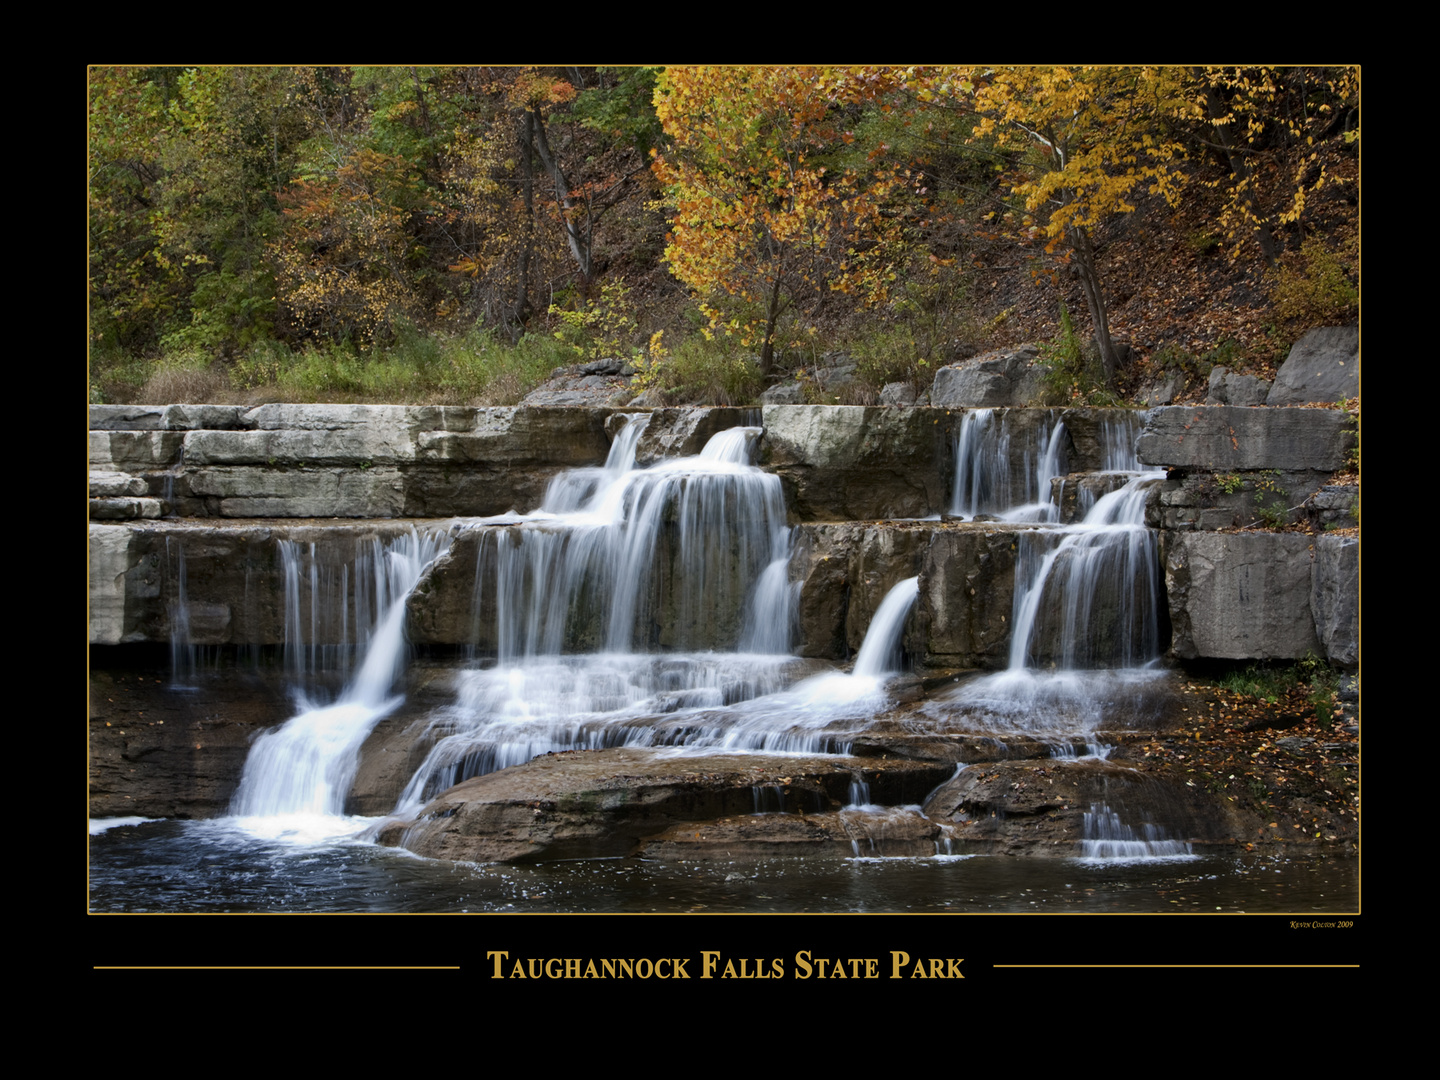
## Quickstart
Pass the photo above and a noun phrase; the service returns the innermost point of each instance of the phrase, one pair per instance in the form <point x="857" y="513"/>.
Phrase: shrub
<point x="1073" y="374"/>
<point x="702" y="371"/>
<point x="1313" y="288"/>
<point x="189" y="377"/>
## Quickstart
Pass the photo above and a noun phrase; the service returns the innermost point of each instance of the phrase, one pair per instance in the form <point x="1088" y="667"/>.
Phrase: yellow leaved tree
<point x="1088" y="142"/>
<point x="760" y="226"/>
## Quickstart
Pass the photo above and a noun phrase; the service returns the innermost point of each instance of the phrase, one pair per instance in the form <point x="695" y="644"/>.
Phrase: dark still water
<point x="216" y="866"/>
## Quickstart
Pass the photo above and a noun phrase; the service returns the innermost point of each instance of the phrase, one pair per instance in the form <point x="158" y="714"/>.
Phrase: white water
<point x="1107" y="838"/>
<point x="984" y="453"/>
<point x="603" y="598"/>
<point x="879" y="652"/>
<point x="305" y="767"/>
<point x="705" y="540"/>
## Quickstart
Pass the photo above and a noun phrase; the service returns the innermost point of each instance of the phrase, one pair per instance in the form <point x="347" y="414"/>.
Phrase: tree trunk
<point x="520" y="309"/>
<point x="577" y="237"/>
<point x="1094" y="300"/>
<point x="767" y="349"/>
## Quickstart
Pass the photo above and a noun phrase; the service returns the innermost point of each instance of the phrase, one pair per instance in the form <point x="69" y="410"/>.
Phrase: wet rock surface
<point x="586" y="803"/>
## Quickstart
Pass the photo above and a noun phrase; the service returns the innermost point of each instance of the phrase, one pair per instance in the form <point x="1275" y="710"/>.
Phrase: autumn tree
<point x="1267" y="120"/>
<point x="550" y="157"/>
<point x="186" y="164"/>
<point x="759" y="223"/>
<point x="1085" y="140"/>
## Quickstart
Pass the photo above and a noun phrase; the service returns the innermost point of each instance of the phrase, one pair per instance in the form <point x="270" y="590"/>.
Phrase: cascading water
<point x="1085" y="617"/>
<point x="880" y="651"/>
<point x="306" y="766"/>
<point x="1090" y="600"/>
<point x="689" y="553"/>
<point x="987" y="451"/>
<point x="1107" y="838"/>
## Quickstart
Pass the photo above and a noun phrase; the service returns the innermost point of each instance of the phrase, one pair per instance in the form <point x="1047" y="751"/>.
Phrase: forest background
<point x="452" y="235"/>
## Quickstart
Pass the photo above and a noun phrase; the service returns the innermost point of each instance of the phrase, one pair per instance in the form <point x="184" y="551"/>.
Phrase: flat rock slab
<point x="590" y="803"/>
<point x="1227" y="437"/>
<point x="883" y="832"/>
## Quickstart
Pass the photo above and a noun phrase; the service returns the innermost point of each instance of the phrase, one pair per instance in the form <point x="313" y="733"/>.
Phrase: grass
<point x="474" y="367"/>
<point x="1270" y="684"/>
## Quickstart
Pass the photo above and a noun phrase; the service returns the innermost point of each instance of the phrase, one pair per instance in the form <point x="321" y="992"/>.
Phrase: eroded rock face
<point x="1335" y="597"/>
<point x="966" y="588"/>
<point x="345" y="460"/>
<point x="1230" y="438"/>
<point x="1235" y="499"/>
<point x="852" y="462"/>
<point x="1240" y="596"/>
<point x="233" y="576"/>
<point x="1323" y="366"/>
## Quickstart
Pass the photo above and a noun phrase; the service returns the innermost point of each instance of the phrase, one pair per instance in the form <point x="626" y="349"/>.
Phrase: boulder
<point x="1229" y="388"/>
<point x="1323" y="366"/>
<point x="1005" y="377"/>
<point x="785" y="393"/>
<point x="900" y="394"/>
<point x="1163" y="390"/>
<point x="1240" y="596"/>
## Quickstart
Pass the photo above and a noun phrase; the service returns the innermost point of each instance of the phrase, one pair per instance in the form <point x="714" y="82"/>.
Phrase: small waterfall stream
<point x="306" y="766"/>
<point x="987" y="451"/>
<point x="1086" y="612"/>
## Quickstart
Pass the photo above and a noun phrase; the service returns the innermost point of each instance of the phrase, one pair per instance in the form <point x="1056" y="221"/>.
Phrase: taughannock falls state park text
<point x="711" y="964"/>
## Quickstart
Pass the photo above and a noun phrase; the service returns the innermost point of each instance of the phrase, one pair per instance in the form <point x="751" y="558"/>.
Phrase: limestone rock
<point x="1227" y="437"/>
<point x="104" y="485"/>
<point x="683" y="432"/>
<point x="1006" y="377"/>
<point x="785" y="393"/>
<point x="1323" y="366"/>
<point x="899" y="393"/>
<point x="1240" y="596"/>
<point x="581" y="804"/>
<point x="1335" y="598"/>
<point x="852" y="462"/>
<point x="1229" y="388"/>
<point x="1017" y="808"/>
<point x="1163" y="390"/>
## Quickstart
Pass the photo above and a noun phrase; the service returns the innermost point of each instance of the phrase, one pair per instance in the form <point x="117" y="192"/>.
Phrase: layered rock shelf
<point x="232" y="533"/>
<point x="225" y="484"/>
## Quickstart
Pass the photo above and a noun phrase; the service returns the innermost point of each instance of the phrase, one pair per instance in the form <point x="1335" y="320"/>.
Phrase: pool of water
<point x="216" y="866"/>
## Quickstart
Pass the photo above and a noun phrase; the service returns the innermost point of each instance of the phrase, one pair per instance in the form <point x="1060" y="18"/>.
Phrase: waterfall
<point x="689" y="553"/>
<point x="306" y="766"/>
<point x="1106" y="837"/>
<point x="987" y="451"/>
<point x="182" y="649"/>
<point x="1088" y="597"/>
<point x="600" y="598"/>
<point x="880" y="651"/>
